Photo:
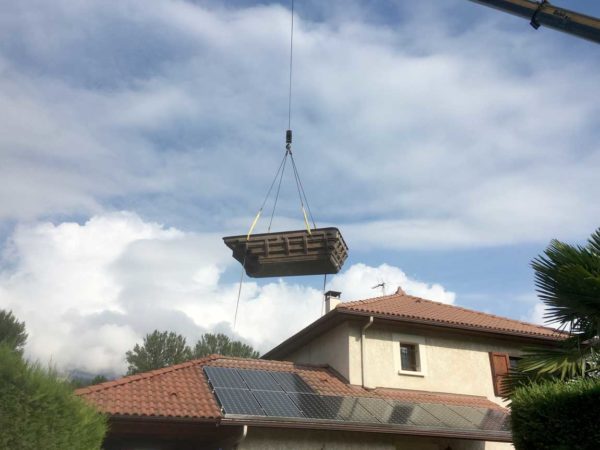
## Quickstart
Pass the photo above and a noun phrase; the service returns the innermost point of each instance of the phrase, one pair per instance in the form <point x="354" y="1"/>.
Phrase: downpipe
<point x="363" y="337"/>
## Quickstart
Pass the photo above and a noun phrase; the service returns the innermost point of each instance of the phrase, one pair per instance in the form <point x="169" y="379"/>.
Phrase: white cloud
<point x="438" y="136"/>
<point x="536" y="314"/>
<point x="357" y="283"/>
<point x="88" y="292"/>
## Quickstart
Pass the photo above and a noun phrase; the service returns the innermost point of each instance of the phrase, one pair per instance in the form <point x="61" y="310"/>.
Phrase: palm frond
<point x="568" y="282"/>
<point x="574" y="358"/>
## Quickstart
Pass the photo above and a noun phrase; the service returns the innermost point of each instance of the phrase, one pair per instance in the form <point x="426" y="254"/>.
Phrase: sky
<point x="448" y="142"/>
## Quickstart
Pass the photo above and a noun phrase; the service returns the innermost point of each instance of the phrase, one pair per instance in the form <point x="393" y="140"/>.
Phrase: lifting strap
<point x="304" y="206"/>
<point x="279" y="174"/>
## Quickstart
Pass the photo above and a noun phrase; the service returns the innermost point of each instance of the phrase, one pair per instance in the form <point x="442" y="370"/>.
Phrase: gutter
<point x="363" y="338"/>
<point x="319" y="424"/>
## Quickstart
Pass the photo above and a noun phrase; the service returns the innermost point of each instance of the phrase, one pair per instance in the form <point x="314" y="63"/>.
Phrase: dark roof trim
<point x="167" y="419"/>
<point x="388" y="429"/>
<point x="338" y="316"/>
<point x="471" y="329"/>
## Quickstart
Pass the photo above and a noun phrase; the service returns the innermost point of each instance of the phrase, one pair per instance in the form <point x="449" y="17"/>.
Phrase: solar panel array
<point x="286" y="395"/>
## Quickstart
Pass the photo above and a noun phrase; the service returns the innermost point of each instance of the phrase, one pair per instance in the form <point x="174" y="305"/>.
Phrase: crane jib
<point x="581" y="25"/>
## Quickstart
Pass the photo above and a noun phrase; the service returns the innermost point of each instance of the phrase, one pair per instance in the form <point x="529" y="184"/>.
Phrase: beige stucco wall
<point x="452" y="362"/>
<point x="330" y="348"/>
<point x="276" y="439"/>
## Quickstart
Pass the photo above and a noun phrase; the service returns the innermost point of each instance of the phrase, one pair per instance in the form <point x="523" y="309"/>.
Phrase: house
<point x="392" y="372"/>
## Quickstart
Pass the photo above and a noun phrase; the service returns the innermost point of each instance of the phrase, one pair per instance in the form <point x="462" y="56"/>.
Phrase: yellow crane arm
<point x="543" y="13"/>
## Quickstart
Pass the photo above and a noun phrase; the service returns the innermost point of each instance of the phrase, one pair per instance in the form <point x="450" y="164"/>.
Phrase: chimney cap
<point x="333" y="294"/>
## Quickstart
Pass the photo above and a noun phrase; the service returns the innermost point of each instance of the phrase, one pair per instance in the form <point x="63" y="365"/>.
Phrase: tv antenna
<point x="381" y="285"/>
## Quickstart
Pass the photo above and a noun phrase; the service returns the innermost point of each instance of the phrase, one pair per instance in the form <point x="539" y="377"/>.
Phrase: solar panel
<point x="238" y="401"/>
<point x="260" y="380"/>
<point x="291" y="382"/>
<point x="495" y="420"/>
<point x="224" y="377"/>
<point x="379" y="408"/>
<point x="473" y="415"/>
<point x="286" y="394"/>
<point x="277" y="404"/>
<point x="448" y="417"/>
<point x="315" y="406"/>
<point x="422" y="418"/>
<point x="401" y="413"/>
<point x="350" y="409"/>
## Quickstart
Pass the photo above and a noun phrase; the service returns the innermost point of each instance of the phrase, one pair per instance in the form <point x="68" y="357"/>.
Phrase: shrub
<point x="39" y="411"/>
<point x="557" y="415"/>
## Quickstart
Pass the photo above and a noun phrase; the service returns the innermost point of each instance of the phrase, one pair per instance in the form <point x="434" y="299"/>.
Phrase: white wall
<point x="452" y="363"/>
<point x="330" y="348"/>
<point x="276" y="439"/>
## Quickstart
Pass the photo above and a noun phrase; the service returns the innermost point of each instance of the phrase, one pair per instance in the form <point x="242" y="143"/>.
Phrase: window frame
<point x="420" y="350"/>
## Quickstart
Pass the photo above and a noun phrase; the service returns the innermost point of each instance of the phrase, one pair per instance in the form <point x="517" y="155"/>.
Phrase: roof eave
<point x="482" y="331"/>
<point x="382" y="428"/>
<point x="340" y="315"/>
<point x="170" y="419"/>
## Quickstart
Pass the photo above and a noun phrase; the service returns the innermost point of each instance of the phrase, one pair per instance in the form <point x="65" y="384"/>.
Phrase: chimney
<point x="332" y="299"/>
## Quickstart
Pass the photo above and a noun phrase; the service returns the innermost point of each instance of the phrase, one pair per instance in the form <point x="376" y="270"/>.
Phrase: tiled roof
<point x="178" y="391"/>
<point x="406" y="307"/>
<point x="182" y="391"/>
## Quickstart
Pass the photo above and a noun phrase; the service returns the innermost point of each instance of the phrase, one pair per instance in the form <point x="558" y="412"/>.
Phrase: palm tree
<point x="568" y="281"/>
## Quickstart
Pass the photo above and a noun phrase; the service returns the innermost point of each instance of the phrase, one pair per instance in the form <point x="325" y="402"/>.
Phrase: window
<point x="513" y="361"/>
<point x="502" y="364"/>
<point x="409" y="355"/>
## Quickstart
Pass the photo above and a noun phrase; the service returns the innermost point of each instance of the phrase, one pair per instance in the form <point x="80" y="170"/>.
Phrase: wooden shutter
<point x="500" y="367"/>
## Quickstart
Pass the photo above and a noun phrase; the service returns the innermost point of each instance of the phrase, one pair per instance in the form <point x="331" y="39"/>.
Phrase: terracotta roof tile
<point x="177" y="391"/>
<point x="403" y="306"/>
<point x="182" y="391"/>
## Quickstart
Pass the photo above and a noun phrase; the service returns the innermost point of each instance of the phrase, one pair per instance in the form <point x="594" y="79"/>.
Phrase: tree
<point x="12" y="332"/>
<point x="222" y="345"/>
<point x="556" y="415"/>
<point x="79" y="382"/>
<point x="38" y="410"/>
<point x="160" y="349"/>
<point x="568" y="282"/>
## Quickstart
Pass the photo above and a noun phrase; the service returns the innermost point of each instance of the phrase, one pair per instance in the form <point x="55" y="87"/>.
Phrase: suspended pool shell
<point x="290" y="253"/>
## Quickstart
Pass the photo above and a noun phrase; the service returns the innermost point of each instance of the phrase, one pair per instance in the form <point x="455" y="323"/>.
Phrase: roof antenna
<point x="382" y="286"/>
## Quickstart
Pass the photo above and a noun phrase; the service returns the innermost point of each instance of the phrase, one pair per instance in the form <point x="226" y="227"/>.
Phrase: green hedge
<point x="557" y="416"/>
<point x="39" y="411"/>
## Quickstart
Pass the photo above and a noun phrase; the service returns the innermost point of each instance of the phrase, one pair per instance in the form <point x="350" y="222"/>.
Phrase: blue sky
<point x="449" y="143"/>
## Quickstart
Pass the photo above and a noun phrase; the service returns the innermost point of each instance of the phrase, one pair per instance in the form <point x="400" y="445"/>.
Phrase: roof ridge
<point x="369" y="300"/>
<point x="274" y="361"/>
<point x="145" y="375"/>
<point x="481" y="313"/>
<point x="200" y="362"/>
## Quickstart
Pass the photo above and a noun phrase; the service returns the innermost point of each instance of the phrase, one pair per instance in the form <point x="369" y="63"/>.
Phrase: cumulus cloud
<point x="437" y="131"/>
<point x="536" y="314"/>
<point x="359" y="280"/>
<point x="88" y="292"/>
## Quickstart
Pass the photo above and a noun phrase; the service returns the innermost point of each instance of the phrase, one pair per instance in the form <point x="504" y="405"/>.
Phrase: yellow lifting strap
<point x="306" y="221"/>
<point x="254" y="224"/>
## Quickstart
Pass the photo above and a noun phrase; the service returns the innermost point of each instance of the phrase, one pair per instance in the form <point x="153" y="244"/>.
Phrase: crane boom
<point x="543" y="13"/>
